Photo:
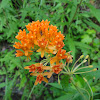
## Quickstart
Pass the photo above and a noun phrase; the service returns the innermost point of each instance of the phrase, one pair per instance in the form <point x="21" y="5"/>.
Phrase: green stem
<point x="58" y="78"/>
<point x="79" y="90"/>
<point x="83" y="72"/>
<point x="65" y="69"/>
<point x="21" y="63"/>
<point x="6" y="90"/>
<point x="86" y="91"/>
<point x="90" y="90"/>
<point x="79" y="65"/>
<point x="68" y="67"/>
<point x="31" y="91"/>
<point x="89" y="87"/>
<point x="75" y="64"/>
<point x="81" y="68"/>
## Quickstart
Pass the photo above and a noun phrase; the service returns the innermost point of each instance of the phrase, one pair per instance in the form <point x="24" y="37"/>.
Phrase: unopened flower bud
<point x="84" y="79"/>
<point x="90" y="66"/>
<point x="58" y="81"/>
<point x="48" y="55"/>
<point x="81" y="56"/>
<point x="94" y="78"/>
<point x="84" y="61"/>
<point x="95" y="69"/>
<point x="87" y="57"/>
<point x="71" y="78"/>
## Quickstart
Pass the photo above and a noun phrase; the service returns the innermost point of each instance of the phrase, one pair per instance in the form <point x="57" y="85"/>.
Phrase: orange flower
<point x="40" y="78"/>
<point x="17" y="45"/>
<point x="60" y="55"/>
<point x="40" y="69"/>
<point x="32" y="68"/>
<point x="19" y="53"/>
<point x="32" y="39"/>
<point x="56" y="69"/>
<point x="59" y="45"/>
<point x="69" y="57"/>
<point x="21" y="35"/>
<point x="53" y="69"/>
<point x="59" y="36"/>
<point x="42" y="44"/>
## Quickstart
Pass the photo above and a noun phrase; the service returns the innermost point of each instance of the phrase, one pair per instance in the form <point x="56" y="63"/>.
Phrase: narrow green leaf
<point x="73" y="10"/>
<point x="93" y="25"/>
<point x="2" y="85"/>
<point x="82" y="45"/>
<point x="95" y="12"/>
<point x="71" y="44"/>
<point x="4" y="3"/>
<point x="23" y="80"/>
<point x="57" y="6"/>
<point x="68" y="96"/>
<point x="86" y="39"/>
<point x="56" y="85"/>
<point x="2" y="72"/>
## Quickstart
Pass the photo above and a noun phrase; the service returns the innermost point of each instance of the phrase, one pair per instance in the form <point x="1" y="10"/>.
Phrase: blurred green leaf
<point x="89" y="31"/>
<point x="56" y="85"/>
<point x="82" y="45"/>
<point x="2" y="85"/>
<point x="86" y="39"/>
<point x="73" y="10"/>
<point x="4" y="3"/>
<point x="71" y="44"/>
<point x="95" y="12"/>
<point x="93" y="25"/>
<point x="68" y="96"/>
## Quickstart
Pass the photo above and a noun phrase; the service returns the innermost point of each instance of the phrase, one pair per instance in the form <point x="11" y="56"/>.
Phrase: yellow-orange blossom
<point x="43" y="38"/>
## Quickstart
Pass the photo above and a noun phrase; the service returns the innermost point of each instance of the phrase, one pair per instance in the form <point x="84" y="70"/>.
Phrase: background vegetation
<point x="78" y="20"/>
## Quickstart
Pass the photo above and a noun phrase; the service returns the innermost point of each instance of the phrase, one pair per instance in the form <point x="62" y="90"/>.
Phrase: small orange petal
<point x="42" y="53"/>
<point x="26" y="53"/>
<point x="36" y="82"/>
<point x="28" y="57"/>
<point x="27" y="67"/>
<point x="49" y="74"/>
<point x="54" y="52"/>
<point x="38" y="50"/>
<point x="38" y="64"/>
<point x="45" y="80"/>
<point x="46" y="67"/>
<point x="34" y="74"/>
<point x="51" y="47"/>
<point x="52" y="60"/>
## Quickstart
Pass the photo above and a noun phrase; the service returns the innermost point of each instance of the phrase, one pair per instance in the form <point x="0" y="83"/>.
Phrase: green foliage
<point x="56" y="85"/>
<point x="79" y="22"/>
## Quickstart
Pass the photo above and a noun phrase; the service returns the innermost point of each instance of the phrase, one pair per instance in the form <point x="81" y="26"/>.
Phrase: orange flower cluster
<point x="40" y="71"/>
<point x="46" y="37"/>
<point x="43" y="38"/>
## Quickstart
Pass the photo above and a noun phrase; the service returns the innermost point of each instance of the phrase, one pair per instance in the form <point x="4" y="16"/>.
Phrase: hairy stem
<point x="31" y="91"/>
<point x="6" y="88"/>
<point x="79" y="90"/>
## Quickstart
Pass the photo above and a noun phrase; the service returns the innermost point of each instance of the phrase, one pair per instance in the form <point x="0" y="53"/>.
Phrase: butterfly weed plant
<point x="45" y="38"/>
<point x="78" y="21"/>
